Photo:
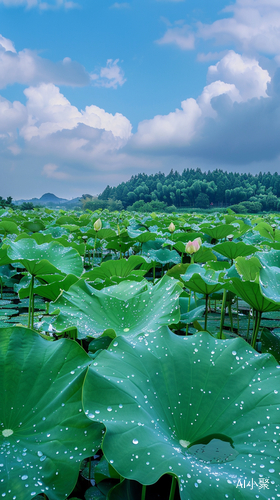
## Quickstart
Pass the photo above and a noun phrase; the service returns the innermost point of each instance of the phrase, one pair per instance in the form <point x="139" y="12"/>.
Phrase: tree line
<point x="192" y="188"/>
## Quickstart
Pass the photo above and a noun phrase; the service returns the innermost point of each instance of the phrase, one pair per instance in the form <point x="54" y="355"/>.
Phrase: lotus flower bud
<point x="193" y="246"/>
<point x="171" y="227"/>
<point x="97" y="225"/>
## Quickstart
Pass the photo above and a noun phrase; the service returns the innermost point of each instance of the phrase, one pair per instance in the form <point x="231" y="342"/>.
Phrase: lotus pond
<point x="139" y="356"/>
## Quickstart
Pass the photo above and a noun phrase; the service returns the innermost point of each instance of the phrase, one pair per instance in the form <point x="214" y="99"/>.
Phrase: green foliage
<point x="245" y="193"/>
<point x="165" y="405"/>
<point x="196" y="404"/>
<point x="44" y="433"/>
<point x="128" y="308"/>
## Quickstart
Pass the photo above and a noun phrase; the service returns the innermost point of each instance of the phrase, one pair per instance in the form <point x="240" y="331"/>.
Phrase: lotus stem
<point x="248" y="325"/>
<point x="154" y="272"/>
<point x="172" y="489"/>
<point x="1" y="284"/>
<point x="93" y="255"/>
<point x="189" y="305"/>
<point x="31" y="304"/>
<point x="256" y="328"/>
<point x="89" y="468"/>
<point x="143" y="494"/>
<point x="206" y="311"/>
<point x="237" y="314"/>
<point x="230" y="316"/>
<point x="223" y="313"/>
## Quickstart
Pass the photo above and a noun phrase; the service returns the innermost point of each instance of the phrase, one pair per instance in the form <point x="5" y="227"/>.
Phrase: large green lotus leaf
<point x="50" y="290"/>
<point x="56" y="231"/>
<point x="7" y="226"/>
<point x="72" y="228"/>
<point x="44" y="433"/>
<point x="47" y="258"/>
<point x="141" y="236"/>
<point x="166" y="400"/>
<point x="80" y="247"/>
<point x="4" y="259"/>
<point x="41" y="238"/>
<point x="252" y="294"/>
<point x="164" y="256"/>
<point x="204" y="254"/>
<point x="110" y="268"/>
<point x="153" y="245"/>
<point x="271" y="342"/>
<point x="220" y="231"/>
<point x="222" y="265"/>
<point x="34" y="225"/>
<point x="38" y="237"/>
<point x="271" y="259"/>
<point x="265" y="230"/>
<point x="185" y="237"/>
<point x="231" y="250"/>
<point x="118" y="245"/>
<point x="269" y="279"/>
<point x="105" y="233"/>
<point x="129" y="307"/>
<point x="248" y="269"/>
<point x="66" y="219"/>
<point x="202" y="280"/>
<point x="6" y="273"/>
<point x="177" y="271"/>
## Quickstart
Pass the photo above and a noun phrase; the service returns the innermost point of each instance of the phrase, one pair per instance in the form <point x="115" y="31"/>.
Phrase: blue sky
<point x="94" y="91"/>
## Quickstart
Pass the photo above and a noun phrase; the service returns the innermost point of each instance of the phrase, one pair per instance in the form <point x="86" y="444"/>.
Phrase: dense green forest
<point x="192" y="188"/>
<point x="243" y="193"/>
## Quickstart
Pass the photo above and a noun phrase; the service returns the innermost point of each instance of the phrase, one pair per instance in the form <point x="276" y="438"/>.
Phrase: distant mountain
<point x="52" y="201"/>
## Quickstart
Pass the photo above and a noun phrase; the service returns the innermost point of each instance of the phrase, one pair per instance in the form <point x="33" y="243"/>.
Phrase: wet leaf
<point x="44" y="433"/>
<point x="129" y="307"/>
<point x="163" y="394"/>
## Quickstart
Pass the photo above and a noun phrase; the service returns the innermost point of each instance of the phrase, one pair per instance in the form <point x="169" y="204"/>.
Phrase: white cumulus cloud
<point x="237" y="77"/>
<point x="111" y="76"/>
<point x="49" y="111"/>
<point x="26" y="67"/>
<point x="172" y="130"/>
<point x="245" y="73"/>
<point x="254" y="26"/>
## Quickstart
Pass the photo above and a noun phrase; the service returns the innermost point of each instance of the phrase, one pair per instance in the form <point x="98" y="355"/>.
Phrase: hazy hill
<point x="52" y="201"/>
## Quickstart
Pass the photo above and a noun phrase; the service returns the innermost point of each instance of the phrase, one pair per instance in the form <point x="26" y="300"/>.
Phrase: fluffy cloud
<point x="111" y="76"/>
<point x="50" y="139"/>
<point x="169" y="131"/>
<point x="245" y="73"/>
<point x="48" y="112"/>
<point x="12" y="116"/>
<point x="26" y="67"/>
<point x="180" y="36"/>
<point x="237" y="79"/>
<point x="41" y="4"/>
<point x="254" y="26"/>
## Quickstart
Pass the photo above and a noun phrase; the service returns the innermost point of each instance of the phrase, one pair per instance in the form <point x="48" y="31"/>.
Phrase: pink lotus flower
<point x="193" y="246"/>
